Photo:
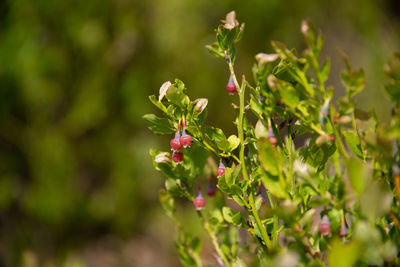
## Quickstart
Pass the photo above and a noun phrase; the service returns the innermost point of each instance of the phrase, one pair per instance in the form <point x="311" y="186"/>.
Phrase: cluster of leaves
<point x="347" y="170"/>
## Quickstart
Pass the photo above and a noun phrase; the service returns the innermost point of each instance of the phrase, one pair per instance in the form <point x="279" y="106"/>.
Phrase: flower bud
<point x="230" y="87"/>
<point x="200" y="105"/>
<point x="230" y="21"/>
<point x="221" y="169"/>
<point x="175" y="143"/>
<point x="260" y="196"/>
<point x="325" y="138"/>
<point x="263" y="58"/>
<point x="227" y="57"/>
<point x="163" y="90"/>
<point x="177" y="157"/>
<point x="271" y="137"/>
<point x="324" y="226"/>
<point x="261" y="99"/>
<point x="163" y="157"/>
<point x="343" y="120"/>
<point x="186" y="140"/>
<point x="210" y="190"/>
<point x="199" y="202"/>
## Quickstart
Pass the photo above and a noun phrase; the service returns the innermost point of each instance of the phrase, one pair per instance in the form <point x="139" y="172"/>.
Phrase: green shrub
<point x="328" y="172"/>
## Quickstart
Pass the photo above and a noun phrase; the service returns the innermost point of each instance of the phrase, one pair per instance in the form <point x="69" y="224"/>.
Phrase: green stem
<point x="290" y="156"/>
<point x="241" y="92"/>
<point x="236" y="158"/>
<point x="207" y="227"/>
<point x="214" y="238"/>
<point x="276" y="221"/>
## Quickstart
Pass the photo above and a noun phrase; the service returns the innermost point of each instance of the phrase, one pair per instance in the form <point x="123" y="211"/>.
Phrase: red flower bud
<point x="324" y="226"/>
<point x="221" y="170"/>
<point x="271" y="137"/>
<point x="175" y="143"/>
<point x="211" y="190"/>
<point x="199" y="202"/>
<point x="259" y="195"/>
<point x="186" y="140"/>
<point x="177" y="157"/>
<point x="230" y="87"/>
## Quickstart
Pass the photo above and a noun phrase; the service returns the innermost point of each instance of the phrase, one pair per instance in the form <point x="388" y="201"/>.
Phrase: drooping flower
<point x="221" y="169"/>
<point x="231" y="87"/>
<point x="199" y="202"/>
<point x="325" y="226"/>
<point x="176" y="143"/>
<point x="177" y="157"/>
<point x="271" y="137"/>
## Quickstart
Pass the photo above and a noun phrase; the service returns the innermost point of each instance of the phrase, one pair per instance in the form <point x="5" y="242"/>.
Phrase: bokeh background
<point x="77" y="187"/>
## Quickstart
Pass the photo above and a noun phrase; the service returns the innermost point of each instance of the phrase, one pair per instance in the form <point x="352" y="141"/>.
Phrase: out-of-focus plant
<point x="333" y="200"/>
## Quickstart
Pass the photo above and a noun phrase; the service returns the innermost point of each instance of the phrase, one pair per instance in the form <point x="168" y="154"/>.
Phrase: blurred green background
<point x="77" y="187"/>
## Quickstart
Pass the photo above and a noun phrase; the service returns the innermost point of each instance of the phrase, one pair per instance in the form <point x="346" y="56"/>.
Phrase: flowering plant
<point x="332" y="199"/>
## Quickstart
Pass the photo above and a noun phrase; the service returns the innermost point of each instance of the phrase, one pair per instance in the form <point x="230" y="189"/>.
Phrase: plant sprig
<point x="332" y="198"/>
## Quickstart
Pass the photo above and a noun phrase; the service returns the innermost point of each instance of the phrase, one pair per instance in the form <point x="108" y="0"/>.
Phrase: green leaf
<point x="260" y="130"/>
<point x="234" y="217"/>
<point x="195" y="245"/>
<point x="228" y="176"/>
<point x="325" y="70"/>
<point x="180" y="86"/>
<point x="274" y="185"/>
<point x="283" y="52"/>
<point x="334" y="217"/>
<point x="167" y="202"/>
<point x="177" y="97"/>
<point x="172" y="187"/>
<point x="353" y="141"/>
<point x="216" y="50"/>
<point x="238" y="200"/>
<point x="222" y="185"/>
<point x="309" y="32"/>
<point x="307" y="218"/>
<point x="240" y="33"/>
<point x="159" y="125"/>
<point x="392" y="77"/>
<point x="271" y="158"/>
<point x="258" y="202"/>
<point x="215" y="134"/>
<point x="236" y="190"/>
<point x="224" y="145"/>
<point x="194" y="162"/>
<point x="226" y="37"/>
<point x="216" y="217"/>
<point x="353" y="80"/>
<point x="158" y="104"/>
<point x="288" y="94"/>
<point x="256" y="107"/>
<point x="358" y="173"/>
<point x="233" y="142"/>
<point x="375" y="201"/>
<point x="217" y="137"/>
